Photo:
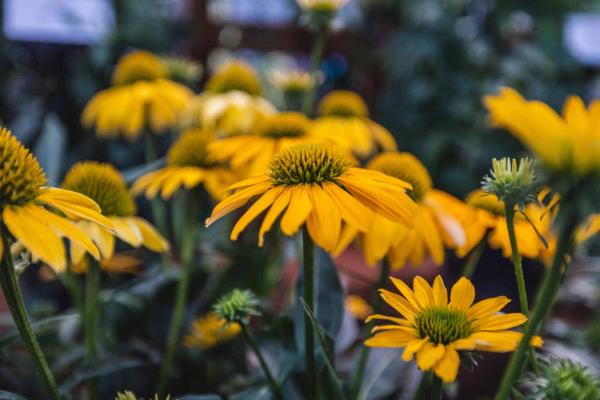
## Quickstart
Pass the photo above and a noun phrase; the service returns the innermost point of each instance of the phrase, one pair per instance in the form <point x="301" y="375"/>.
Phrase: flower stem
<point x="473" y="258"/>
<point x="14" y="300"/>
<point x="540" y="312"/>
<point x="516" y="257"/>
<point x="308" y="250"/>
<point x="263" y="364"/>
<point x="424" y="386"/>
<point x="315" y="61"/>
<point x="359" y="373"/>
<point x="436" y="388"/>
<point x="187" y="257"/>
<point x="90" y="319"/>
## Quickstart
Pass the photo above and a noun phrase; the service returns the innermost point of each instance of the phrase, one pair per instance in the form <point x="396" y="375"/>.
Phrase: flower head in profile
<point x="291" y="82"/>
<point x="434" y="327"/>
<point x="141" y="98"/>
<point x="37" y="216"/>
<point x="434" y="230"/>
<point x="105" y="185"/>
<point x="512" y="181"/>
<point x="234" y="75"/>
<point x="210" y="330"/>
<point x="237" y="306"/>
<point x="315" y="185"/>
<point x="344" y="120"/>
<point x="560" y="379"/>
<point x="252" y="154"/>
<point x="227" y="114"/>
<point x="182" y="69"/>
<point x="188" y="165"/>
<point x="484" y="217"/>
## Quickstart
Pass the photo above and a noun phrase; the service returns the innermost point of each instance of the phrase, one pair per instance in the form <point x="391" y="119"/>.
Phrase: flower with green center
<point x="182" y="69"/>
<point x="434" y="327"/>
<point x="344" y="120"/>
<point x="434" y="229"/>
<point x="188" y="165"/>
<point x="40" y="217"/>
<point x="512" y="182"/>
<point x="561" y="379"/>
<point x="105" y="185"/>
<point x="234" y="75"/>
<point x="237" y="306"/>
<point x="142" y="98"/>
<point x="315" y="184"/>
<point x="484" y="214"/>
<point x="251" y="154"/>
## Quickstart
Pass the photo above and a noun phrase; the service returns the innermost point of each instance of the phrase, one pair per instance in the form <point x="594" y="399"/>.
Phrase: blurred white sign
<point x="582" y="36"/>
<point x="58" y="21"/>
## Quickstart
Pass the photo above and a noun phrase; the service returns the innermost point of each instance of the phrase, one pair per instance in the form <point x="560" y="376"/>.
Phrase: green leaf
<point x="4" y="395"/>
<point x="254" y="393"/>
<point x="98" y="369"/>
<point x="37" y="326"/>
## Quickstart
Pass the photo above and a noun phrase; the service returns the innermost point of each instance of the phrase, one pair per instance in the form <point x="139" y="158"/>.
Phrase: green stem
<point x="424" y="385"/>
<point x="14" y="300"/>
<point x="315" y="61"/>
<point x="308" y="250"/>
<point x="509" y="210"/>
<point x="359" y="373"/>
<point x="263" y="364"/>
<point x="90" y="319"/>
<point x="437" y="388"/>
<point x="542" y="308"/>
<point x="187" y="257"/>
<point x="474" y="257"/>
<point x="69" y="280"/>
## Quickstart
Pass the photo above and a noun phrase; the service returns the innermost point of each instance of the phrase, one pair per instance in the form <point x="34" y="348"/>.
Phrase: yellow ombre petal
<point x="447" y="367"/>
<point x="151" y="238"/>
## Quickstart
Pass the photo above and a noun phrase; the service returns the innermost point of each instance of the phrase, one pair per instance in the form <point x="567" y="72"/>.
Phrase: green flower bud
<point x="237" y="306"/>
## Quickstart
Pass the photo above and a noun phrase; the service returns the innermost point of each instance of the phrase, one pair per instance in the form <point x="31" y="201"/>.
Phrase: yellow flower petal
<point x="447" y="367"/>
<point x="462" y="294"/>
<point x="429" y="355"/>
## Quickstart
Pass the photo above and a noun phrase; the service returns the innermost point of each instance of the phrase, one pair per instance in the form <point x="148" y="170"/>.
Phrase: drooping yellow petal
<point x="447" y="367"/>
<point x="151" y="238"/>
<point x="276" y="209"/>
<point x="298" y="210"/>
<point x="413" y="347"/>
<point x="255" y="210"/>
<point x="429" y="355"/>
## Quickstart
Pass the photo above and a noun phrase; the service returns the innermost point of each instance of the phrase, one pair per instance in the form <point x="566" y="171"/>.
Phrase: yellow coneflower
<point x="234" y="75"/>
<point x="344" y="120"/>
<point x="434" y="229"/>
<point x="291" y="81"/>
<point x="208" y="331"/>
<point x="141" y="98"/>
<point x="321" y="5"/>
<point x="38" y="216"/>
<point x="485" y="213"/>
<point x="569" y="143"/>
<point x="227" y="114"/>
<point x="434" y="328"/>
<point x="188" y="165"/>
<point x="104" y="184"/>
<point x="319" y="188"/>
<point x="252" y="154"/>
<point x="358" y="307"/>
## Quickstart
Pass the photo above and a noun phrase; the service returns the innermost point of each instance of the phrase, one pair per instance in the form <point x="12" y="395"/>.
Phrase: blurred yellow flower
<point x="104" y="184"/>
<point x="252" y="154"/>
<point x="570" y="143"/>
<point x="321" y="5"/>
<point x="234" y="75"/>
<point x="434" y="229"/>
<point x="209" y="331"/>
<point x="485" y="213"/>
<point x="38" y="216"/>
<point x="291" y="81"/>
<point x="344" y="120"/>
<point x="434" y="328"/>
<point x="319" y="188"/>
<point x="358" y="307"/>
<point x="188" y="165"/>
<point x="141" y="98"/>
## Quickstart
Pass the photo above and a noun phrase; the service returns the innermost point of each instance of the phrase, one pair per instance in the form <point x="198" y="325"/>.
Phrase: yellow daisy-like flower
<point x="210" y="330"/>
<point x="291" y="81"/>
<point x="104" y="184"/>
<point x="235" y="75"/>
<point x="227" y="114"/>
<point x="252" y="154"/>
<point x="434" y="229"/>
<point x="434" y="329"/>
<point x="485" y="213"/>
<point x="141" y="98"/>
<point x="188" y="165"/>
<point x="38" y="216"/>
<point x="344" y="120"/>
<point x="322" y="5"/>
<point x="319" y="188"/>
<point x="569" y="143"/>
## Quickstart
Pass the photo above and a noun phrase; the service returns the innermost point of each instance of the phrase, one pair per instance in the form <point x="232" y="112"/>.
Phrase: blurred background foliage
<point x="423" y="67"/>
